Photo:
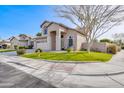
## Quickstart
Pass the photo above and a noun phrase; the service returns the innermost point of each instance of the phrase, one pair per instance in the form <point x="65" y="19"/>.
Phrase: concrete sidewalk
<point x="109" y="74"/>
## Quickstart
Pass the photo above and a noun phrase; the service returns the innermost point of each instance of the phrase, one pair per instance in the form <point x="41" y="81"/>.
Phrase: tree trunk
<point x="89" y="47"/>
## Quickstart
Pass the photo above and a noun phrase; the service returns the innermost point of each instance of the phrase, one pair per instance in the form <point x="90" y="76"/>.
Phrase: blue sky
<point x="16" y="20"/>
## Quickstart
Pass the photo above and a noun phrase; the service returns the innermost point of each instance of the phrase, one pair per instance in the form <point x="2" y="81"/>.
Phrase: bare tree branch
<point x="92" y="20"/>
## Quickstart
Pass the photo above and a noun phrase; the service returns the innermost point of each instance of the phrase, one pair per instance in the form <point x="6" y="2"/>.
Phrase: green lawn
<point x="73" y="56"/>
<point x="6" y="50"/>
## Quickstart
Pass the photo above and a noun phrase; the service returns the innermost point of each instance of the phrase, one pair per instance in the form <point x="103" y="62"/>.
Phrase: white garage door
<point x="42" y="45"/>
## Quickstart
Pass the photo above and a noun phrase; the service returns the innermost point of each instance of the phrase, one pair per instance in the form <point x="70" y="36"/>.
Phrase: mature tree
<point x="95" y="41"/>
<point x="106" y="40"/>
<point x="39" y="34"/>
<point x="92" y="20"/>
<point x="22" y="35"/>
<point x="119" y="38"/>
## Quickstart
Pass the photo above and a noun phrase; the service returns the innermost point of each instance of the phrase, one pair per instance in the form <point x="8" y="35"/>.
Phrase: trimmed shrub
<point x="38" y="50"/>
<point x="21" y="47"/>
<point x="83" y="49"/>
<point x="39" y="34"/>
<point x="20" y="51"/>
<point x="8" y="47"/>
<point x="15" y="46"/>
<point x="4" y="46"/>
<point x="26" y="47"/>
<point x="30" y="47"/>
<point x="68" y="50"/>
<point x="106" y="40"/>
<point x="122" y="47"/>
<point x="112" y="49"/>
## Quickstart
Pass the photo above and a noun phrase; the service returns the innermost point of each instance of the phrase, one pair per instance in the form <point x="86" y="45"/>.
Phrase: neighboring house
<point x="21" y="40"/>
<point x="56" y="36"/>
<point x="5" y="43"/>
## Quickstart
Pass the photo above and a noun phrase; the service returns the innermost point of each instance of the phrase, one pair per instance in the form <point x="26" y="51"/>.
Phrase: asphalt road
<point x="13" y="53"/>
<point x="13" y="78"/>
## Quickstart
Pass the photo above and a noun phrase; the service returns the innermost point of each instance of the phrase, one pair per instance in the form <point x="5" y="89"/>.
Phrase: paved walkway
<point x="110" y="74"/>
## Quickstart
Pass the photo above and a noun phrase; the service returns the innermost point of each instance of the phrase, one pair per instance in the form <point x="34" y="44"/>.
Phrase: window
<point x="70" y="42"/>
<point x="45" y="31"/>
<point x="62" y="36"/>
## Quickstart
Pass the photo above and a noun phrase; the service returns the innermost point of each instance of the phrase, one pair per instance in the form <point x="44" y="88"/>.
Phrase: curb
<point x="62" y="61"/>
<point x="106" y="74"/>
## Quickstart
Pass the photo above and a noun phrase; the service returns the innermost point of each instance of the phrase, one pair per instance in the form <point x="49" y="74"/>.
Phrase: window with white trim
<point x="70" y="41"/>
<point x="45" y="31"/>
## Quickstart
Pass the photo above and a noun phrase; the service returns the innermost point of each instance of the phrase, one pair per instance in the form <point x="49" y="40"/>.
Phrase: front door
<point x="53" y="40"/>
<point x="62" y="42"/>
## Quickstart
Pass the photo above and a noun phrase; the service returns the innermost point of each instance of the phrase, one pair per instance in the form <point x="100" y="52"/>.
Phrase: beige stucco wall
<point x="46" y="45"/>
<point x="80" y="40"/>
<point x="74" y="36"/>
<point x="102" y="47"/>
<point x="52" y="27"/>
<point x="59" y="30"/>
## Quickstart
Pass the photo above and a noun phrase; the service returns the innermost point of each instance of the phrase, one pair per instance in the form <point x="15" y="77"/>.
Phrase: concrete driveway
<point x="73" y="75"/>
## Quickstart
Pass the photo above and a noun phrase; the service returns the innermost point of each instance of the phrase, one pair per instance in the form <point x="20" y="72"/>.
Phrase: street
<point x="13" y="78"/>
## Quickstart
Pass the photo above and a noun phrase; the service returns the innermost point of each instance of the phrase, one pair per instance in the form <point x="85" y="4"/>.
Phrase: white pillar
<point x="35" y="44"/>
<point x="58" y="40"/>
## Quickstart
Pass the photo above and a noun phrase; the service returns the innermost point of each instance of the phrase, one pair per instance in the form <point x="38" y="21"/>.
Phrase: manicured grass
<point x="73" y="56"/>
<point x="6" y="50"/>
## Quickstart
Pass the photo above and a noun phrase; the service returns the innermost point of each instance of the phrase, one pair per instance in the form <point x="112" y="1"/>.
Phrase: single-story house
<point x="21" y="40"/>
<point x="56" y="36"/>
